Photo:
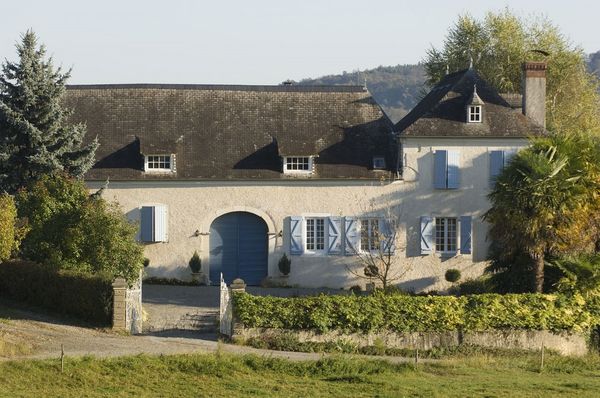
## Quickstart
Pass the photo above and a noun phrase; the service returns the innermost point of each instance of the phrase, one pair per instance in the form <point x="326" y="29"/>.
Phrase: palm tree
<point x="541" y="202"/>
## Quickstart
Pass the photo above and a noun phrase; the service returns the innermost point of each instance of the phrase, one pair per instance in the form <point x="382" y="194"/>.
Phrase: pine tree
<point x="36" y="137"/>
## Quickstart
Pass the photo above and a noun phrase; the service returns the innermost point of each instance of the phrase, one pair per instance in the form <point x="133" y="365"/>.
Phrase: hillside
<point x="398" y="88"/>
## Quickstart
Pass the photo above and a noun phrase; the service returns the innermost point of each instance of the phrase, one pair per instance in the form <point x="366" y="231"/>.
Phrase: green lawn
<point x="237" y="376"/>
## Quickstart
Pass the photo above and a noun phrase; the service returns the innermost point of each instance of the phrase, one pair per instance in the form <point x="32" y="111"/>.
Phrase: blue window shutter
<point x="440" y="163"/>
<point x="426" y="234"/>
<point x="296" y="236"/>
<point x="496" y="165"/>
<point x="388" y="232"/>
<point x="160" y="223"/>
<point x="334" y="235"/>
<point x="465" y="234"/>
<point x="508" y="155"/>
<point x="351" y="236"/>
<point x="147" y="224"/>
<point x="453" y="169"/>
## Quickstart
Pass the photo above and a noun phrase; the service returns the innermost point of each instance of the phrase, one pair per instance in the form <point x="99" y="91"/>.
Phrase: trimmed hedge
<point x="401" y="313"/>
<point x="89" y="298"/>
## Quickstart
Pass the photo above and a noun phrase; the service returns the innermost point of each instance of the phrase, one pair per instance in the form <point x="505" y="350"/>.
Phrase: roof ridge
<point x="222" y="87"/>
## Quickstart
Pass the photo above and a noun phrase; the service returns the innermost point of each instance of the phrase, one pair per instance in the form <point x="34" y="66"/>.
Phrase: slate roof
<point x="232" y="132"/>
<point x="442" y="112"/>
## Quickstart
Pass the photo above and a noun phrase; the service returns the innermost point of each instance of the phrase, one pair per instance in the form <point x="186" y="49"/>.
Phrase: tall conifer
<point x="36" y="137"/>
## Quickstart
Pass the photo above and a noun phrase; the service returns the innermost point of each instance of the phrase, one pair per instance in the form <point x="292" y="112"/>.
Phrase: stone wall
<point x="564" y="343"/>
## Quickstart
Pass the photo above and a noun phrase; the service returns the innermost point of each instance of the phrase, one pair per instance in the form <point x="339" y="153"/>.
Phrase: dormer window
<point x="378" y="163"/>
<point x="474" y="113"/>
<point x="297" y="164"/>
<point x="475" y="107"/>
<point x="158" y="163"/>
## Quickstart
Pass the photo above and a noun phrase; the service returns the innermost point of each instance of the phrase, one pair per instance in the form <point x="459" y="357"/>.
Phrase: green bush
<point x="81" y="296"/>
<point x="8" y="217"/>
<point x="71" y="230"/>
<point x="285" y="265"/>
<point x="153" y="280"/>
<point x="480" y="285"/>
<point x="195" y="263"/>
<point x="452" y="275"/>
<point x="415" y="314"/>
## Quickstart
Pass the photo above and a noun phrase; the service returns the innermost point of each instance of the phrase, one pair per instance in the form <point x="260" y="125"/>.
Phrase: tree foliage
<point x="72" y="230"/>
<point x="35" y="136"/>
<point x="545" y="202"/>
<point x="8" y="218"/>
<point x="501" y="42"/>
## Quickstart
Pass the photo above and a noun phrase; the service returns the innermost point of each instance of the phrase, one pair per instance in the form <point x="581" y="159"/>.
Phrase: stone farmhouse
<point x="244" y="174"/>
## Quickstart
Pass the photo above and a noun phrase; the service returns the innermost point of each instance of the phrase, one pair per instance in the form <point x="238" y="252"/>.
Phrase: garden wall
<point x="400" y="321"/>
<point x="563" y="342"/>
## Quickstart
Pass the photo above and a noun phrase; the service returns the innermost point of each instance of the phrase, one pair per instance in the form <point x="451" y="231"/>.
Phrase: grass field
<point x="237" y="376"/>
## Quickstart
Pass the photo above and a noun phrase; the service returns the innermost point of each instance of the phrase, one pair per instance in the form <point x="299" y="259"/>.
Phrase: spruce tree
<point x="36" y="138"/>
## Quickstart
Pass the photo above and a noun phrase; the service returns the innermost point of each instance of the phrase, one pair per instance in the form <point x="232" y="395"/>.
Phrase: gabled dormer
<point x="474" y="107"/>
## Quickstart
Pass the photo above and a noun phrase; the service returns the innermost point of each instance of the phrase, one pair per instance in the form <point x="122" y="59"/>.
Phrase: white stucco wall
<point x="193" y="206"/>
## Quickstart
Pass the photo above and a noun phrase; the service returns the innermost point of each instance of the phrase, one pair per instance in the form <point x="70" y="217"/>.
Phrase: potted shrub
<point x="285" y="265"/>
<point x="452" y="275"/>
<point x="196" y="267"/>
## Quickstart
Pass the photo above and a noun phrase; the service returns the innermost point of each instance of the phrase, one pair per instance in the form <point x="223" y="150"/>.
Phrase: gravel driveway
<point x="45" y="334"/>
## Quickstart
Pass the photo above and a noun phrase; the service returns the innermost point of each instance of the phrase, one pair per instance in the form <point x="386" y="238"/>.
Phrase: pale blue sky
<point x="256" y="41"/>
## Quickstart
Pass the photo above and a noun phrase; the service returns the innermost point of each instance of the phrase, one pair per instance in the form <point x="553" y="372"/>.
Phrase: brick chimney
<point x="534" y="91"/>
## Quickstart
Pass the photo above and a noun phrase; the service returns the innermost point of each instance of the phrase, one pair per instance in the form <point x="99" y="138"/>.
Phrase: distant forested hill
<point x="398" y="88"/>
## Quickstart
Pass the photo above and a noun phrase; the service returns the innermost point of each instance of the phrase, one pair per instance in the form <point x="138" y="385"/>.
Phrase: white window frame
<point x="474" y="114"/>
<point x="158" y="169"/>
<point x="446" y="236"/>
<point x="373" y="237"/>
<point x="287" y="170"/>
<point x="306" y="222"/>
<point x="379" y="159"/>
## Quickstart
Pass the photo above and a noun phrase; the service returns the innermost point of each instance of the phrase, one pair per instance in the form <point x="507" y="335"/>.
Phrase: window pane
<point x="451" y="243"/>
<point x="375" y="234"/>
<point x="320" y="244"/>
<point x="440" y="224"/>
<point x="364" y="235"/>
<point x="310" y="234"/>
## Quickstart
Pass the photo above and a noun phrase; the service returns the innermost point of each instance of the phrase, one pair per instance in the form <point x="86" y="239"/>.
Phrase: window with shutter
<point x="315" y="235"/>
<point x="351" y="236"/>
<point x="296" y="235"/>
<point x="426" y="234"/>
<point x="446" y="169"/>
<point x="334" y="235"/>
<point x="465" y="234"/>
<point x="153" y="223"/>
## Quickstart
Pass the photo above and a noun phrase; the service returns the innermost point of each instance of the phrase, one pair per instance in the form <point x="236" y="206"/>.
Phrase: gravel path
<point x="45" y="335"/>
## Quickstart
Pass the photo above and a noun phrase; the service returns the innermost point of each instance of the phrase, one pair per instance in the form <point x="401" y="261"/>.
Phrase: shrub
<point x="356" y="289"/>
<point x="400" y="313"/>
<point x="8" y="217"/>
<point x="153" y="280"/>
<point x="452" y="275"/>
<point x="285" y="265"/>
<point x="66" y="292"/>
<point x="195" y="263"/>
<point x="71" y="230"/>
<point x="473" y="286"/>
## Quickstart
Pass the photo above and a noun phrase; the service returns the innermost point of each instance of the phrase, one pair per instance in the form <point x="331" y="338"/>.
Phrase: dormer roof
<point x="475" y="99"/>
<point x="441" y="113"/>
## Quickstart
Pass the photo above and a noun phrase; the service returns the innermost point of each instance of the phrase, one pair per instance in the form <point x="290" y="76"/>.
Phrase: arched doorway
<point x="238" y="248"/>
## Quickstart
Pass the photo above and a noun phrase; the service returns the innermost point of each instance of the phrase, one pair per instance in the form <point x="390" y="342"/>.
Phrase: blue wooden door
<point x="238" y="248"/>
